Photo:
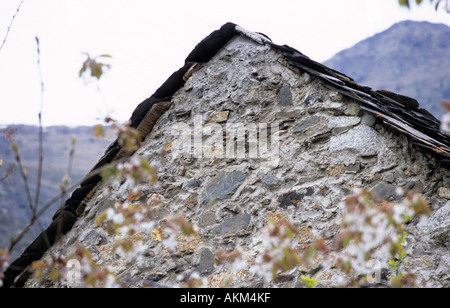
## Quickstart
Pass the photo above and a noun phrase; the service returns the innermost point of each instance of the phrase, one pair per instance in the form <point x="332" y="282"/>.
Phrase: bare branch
<point x="8" y="133"/>
<point x="33" y="206"/>
<point x="24" y="174"/>
<point x="8" y="172"/>
<point x="52" y="201"/>
<point x="41" y="145"/>
<point x="10" y="25"/>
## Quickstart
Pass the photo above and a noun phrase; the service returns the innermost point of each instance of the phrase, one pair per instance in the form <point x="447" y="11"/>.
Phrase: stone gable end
<point x="327" y="146"/>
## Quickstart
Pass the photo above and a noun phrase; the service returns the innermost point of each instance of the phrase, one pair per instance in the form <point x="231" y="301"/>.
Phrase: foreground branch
<point x="10" y="25"/>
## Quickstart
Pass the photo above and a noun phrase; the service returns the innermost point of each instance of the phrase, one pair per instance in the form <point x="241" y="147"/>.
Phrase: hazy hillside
<point x="411" y="58"/>
<point x="14" y="212"/>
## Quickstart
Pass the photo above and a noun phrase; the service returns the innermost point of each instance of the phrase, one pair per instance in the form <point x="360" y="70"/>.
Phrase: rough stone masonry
<point x="327" y="146"/>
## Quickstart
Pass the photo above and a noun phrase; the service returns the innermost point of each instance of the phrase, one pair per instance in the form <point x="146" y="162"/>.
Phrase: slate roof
<point x="396" y="111"/>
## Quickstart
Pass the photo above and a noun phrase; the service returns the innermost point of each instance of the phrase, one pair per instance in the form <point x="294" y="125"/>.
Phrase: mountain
<point x="14" y="211"/>
<point x="411" y="58"/>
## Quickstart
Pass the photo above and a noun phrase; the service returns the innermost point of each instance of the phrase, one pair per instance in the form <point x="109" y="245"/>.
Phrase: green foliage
<point x="381" y="225"/>
<point x="399" y="255"/>
<point x="394" y="265"/>
<point x="308" y="282"/>
<point x="57" y="270"/>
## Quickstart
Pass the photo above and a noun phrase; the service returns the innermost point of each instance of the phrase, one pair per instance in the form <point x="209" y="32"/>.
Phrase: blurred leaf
<point x="404" y="3"/>
<point x="96" y="67"/>
<point x="158" y="233"/>
<point x="14" y="147"/>
<point x="419" y="2"/>
<point x="84" y="68"/>
<point x="109" y="172"/>
<point x="73" y="139"/>
<point x="98" y="131"/>
<point x="420" y="206"/>
<point x="393" y="265"/>
<point x="101" y="218"/>
<point x="54" y="275"/>
<point x="96" y="70"/>
<point x="308" y="282"/>
<point x="38" y="268"/>
<point x="150" y="171"/>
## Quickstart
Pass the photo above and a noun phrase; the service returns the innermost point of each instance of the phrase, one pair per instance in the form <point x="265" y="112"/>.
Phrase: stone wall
<point x="327" y="147"/>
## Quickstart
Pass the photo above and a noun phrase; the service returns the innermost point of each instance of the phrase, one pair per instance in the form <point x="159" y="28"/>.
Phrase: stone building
<point x="326" y="135"/>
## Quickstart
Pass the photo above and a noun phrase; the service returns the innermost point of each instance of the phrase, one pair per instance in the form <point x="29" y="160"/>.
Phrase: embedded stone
<point x="294" y="198"/>
<point x="270" y="180"/>
<point x="307" y="124"/>
<point x="206" y="219"/>
<point x="343" y="122"/>
<point x="336" y="170"/>
<point x="157" y="277"/>
<point x="362" y="140"/>
<point x="353" y="168"/>
<point x="438" y="226"/>
<point x="223" y="186"/>
<point x="444" y="193"/>
<point x="368" y="119"/>
<point x="443" y="269"/>
<point x="385" y="191"/>
<point x="206" y="263"/>
<point x="193" y="183"/>
<point x="288" y="115"/>
<point x="313" y="98"/>
<point x="352" y="109"/>
<point x="387" y="160"/>
<point x="220" y="117"/>
<point x="284" y="97"/>
<point x="233" y="225"/>
<point x="301" y="166"/>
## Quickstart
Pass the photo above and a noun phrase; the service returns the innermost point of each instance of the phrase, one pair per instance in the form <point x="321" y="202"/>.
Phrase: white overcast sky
<point x="149" y="40"/>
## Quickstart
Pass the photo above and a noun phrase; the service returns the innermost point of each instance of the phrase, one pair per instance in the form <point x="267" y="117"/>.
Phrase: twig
<point x="66" y="181"/>
<point x="41" y="143"/>
<point x="46" y="206"/>
<point x="24" y="175"/>
<point x="10" y="25"/>
<point x="8" y="172"/>
<point x="34" y="215"/>
<point x="447" y="6"/>
<point x="68" y="175"/>
<point x="33" y="219"/>
<point x="33" y="206"/>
